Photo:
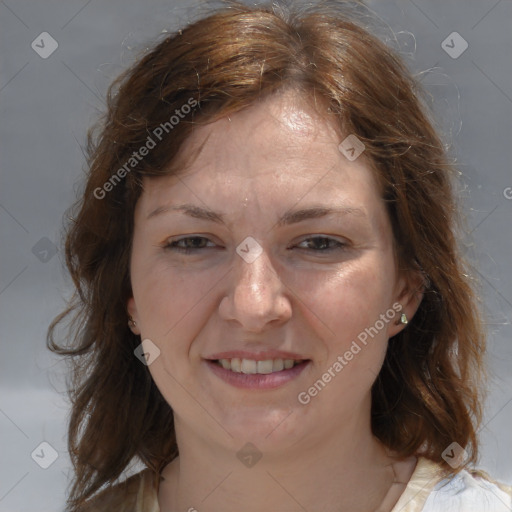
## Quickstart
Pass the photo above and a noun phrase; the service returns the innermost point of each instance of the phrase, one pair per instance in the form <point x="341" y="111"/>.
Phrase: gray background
<point x="46" y="107"/>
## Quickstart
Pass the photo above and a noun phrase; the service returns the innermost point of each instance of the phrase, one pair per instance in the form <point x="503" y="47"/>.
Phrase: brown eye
<point x="187" y="244"/>
<point x="323" y="244"/>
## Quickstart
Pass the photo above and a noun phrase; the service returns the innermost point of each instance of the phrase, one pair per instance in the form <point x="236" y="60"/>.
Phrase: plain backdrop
<point x="46" y="106"/>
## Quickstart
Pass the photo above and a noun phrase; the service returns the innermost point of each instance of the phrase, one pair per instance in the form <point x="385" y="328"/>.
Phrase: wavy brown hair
<point x="427" y="394"/>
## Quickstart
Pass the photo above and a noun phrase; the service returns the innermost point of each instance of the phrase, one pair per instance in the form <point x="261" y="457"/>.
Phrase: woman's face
<point x="289" y="257"/>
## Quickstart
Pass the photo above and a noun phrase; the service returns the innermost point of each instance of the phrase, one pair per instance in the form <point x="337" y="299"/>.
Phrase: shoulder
<point x="431" y="489"/>
<point x="470" y="491"/>
<point x="136" y="494"/>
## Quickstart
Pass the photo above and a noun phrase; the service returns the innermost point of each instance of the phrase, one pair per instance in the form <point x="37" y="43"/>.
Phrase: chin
<point x="264" y="426"/>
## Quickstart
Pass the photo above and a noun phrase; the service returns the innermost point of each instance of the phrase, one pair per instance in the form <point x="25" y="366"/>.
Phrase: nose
<point x="256" y="297"/>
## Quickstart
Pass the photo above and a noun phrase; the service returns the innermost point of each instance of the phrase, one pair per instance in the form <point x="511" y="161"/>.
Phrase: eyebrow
<point x="290" y="217"/>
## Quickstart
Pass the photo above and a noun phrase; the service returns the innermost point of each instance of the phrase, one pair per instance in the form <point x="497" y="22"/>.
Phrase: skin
<point x="276" y="156"/>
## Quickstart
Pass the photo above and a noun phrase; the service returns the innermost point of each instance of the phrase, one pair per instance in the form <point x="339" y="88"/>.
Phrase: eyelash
<point x="172" y="246"/>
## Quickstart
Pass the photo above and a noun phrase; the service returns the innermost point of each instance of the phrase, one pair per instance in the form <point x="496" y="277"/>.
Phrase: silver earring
<point x="403" y="319"/>
<point x="131" y="322"/>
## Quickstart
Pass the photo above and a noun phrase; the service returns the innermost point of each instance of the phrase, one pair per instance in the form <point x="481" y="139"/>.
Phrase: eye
<point x="188" y="245"/>
<point x="191" y="244"/>
<point x="323" y="244"/>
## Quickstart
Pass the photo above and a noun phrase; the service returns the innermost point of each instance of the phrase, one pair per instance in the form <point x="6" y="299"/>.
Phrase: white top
<point x="466" y="493"/>
<point x="427" y="491"/>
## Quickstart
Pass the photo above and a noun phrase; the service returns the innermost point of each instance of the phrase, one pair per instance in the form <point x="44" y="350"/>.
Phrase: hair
<point x="427" y="394"/>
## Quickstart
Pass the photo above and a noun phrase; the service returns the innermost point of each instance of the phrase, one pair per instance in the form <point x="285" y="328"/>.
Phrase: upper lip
<point x="260" y="355"/>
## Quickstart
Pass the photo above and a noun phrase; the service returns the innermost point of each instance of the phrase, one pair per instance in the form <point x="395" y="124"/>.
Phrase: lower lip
<point x="257" y="380"/>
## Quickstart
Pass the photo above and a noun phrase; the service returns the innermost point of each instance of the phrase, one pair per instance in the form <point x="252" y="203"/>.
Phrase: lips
<point x="263" y="367"/>
<point x="262" y="370"/>
<point x="256" y="355"/>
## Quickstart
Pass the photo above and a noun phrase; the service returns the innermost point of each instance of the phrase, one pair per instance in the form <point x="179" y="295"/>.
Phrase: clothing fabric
<point x="427" y="491"/>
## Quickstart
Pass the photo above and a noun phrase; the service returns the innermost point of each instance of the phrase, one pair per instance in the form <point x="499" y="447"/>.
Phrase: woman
<point x="271" y="313"/>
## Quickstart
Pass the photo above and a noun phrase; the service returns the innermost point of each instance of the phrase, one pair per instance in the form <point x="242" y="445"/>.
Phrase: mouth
<point x="251" y="366"/>
<point x="257" y="374"/>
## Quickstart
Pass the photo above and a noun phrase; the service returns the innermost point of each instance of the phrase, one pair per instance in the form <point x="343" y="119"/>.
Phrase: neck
<point x="352" y="473"/>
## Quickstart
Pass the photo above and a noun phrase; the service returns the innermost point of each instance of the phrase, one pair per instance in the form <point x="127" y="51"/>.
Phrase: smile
<point x="250" y="366"/>
<point x="254" y="374"/>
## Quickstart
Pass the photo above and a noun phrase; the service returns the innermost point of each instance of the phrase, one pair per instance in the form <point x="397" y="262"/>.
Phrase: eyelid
<point x="331" y="239"/>
<point x="168" y="242"/>
<point x="171" y="244"/>
<point x="336" y="238"/>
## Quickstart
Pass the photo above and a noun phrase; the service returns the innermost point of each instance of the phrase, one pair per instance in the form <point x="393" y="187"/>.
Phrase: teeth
<point x="236" y="365"/>
<point x="277" y="365"/>
<point x="250" y="366"/>
<point x="264" y="366"/>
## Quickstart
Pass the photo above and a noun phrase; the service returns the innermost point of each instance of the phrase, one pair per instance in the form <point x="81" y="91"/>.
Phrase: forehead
<point x="283" y="126"/>
<point x="276" y="151"/>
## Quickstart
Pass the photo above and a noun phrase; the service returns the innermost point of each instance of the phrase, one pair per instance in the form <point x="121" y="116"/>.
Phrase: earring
<point x="131" y="322"/>
<point x="402" y="320"/>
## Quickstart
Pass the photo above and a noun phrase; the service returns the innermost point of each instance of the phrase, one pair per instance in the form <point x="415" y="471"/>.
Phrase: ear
<point x="409" y="292"/>
<point x="131" y="308"/>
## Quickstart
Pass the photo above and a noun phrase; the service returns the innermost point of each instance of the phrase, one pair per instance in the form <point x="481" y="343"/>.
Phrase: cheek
<point x="166" y="294"/>
<point x="343" y="303"/>
<point x="346" y="307"/>
<point x="173" y="304"/>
